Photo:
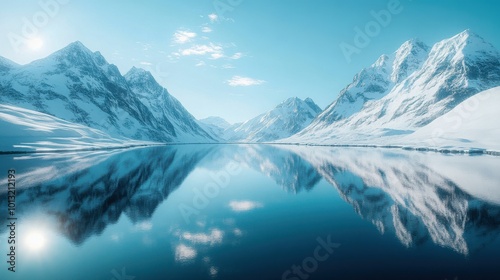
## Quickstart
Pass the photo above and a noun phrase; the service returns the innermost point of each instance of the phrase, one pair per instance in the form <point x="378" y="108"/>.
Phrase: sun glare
<point x="35" y="43"/>
<point x="35" y="240"/>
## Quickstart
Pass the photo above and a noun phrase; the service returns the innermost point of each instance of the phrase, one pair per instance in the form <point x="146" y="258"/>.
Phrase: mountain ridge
<point x="287" y="118"/>
<point x="78" y="85"/>
<point x="402" y="101"/>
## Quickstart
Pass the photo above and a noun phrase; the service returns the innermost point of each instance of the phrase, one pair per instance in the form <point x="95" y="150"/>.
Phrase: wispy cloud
<point x="200" y="64"/>
<point x="213" y="17"/>
<point x="206" y="29"/>
<point x="217" y="55"/>
<point x="213" y="50"/>
<point x="244" y="205"/>
<point x="183" y="36"/>
<point x="237" y="55"/>
<point x="145" y="63"/>
<point x="144" y="46"/>
<point x="227" y="66"/>
<point x="239" y="81"/>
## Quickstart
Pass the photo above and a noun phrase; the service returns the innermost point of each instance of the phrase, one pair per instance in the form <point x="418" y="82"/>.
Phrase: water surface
<point x="253" y="212"/>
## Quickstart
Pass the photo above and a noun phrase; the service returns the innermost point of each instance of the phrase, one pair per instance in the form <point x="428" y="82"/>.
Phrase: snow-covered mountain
<point x="288" y="118"/>
<point x="216" y="121"/>
<point x="215" y="126"/>
<point x="375" y="82"/>
<point x="26" y="130"/>
<point x="407" y="90"/>
<point x="78" y="85"/>
<point x="167" y="110"/>
<point x="471" y="124"/>
<point x="6" y="64"/>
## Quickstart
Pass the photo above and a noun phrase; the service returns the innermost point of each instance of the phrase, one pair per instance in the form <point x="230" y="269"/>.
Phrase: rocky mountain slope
<point x="80" y="86"/>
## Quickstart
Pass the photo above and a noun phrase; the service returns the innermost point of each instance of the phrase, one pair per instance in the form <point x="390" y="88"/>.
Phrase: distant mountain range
<point x="286" y="119"/>
<point x="385" y="103"/>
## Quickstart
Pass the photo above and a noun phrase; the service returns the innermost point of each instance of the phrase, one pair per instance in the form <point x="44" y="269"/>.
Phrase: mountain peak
<point x="216" y="121"/>
<point x="136" y="74"/>
<point x="466" y="43"/>
<point x="75" y="54"/>
<point x="137" y="71"/>
<point x="292" y="100"/>
<point x="381" y="61"/>
<point x="412" y="44"/>
<point x="468" y="37"/>
<point x="467" y="33"/>
<point x="76" y="46"/>
<point x="408" y="58"/>
<point x="286" y="119"/>
<point x="313" y="105"/>
<point x="295" y="102"/>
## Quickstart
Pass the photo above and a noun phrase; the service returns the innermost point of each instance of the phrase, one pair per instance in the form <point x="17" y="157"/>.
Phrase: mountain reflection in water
<point x="451" y="201"/>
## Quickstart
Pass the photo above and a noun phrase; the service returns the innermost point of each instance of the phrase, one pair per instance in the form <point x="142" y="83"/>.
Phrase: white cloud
<point x="213" y="17"/>
<point x="217" y="55"/>
<point x="184" y="253"/>
<point x="227" y="66"/>
<point x="215" y="237"/>
<point x="244" y="205"/>
<point x="239" y="81"/>
<point x="215" y="51"/>
<point x="206" y="29"/>
<point x="201" y="63"/>
<point x="183" y="36"/>
<point x="145" y="63"/>
<point x="237" y="55"/>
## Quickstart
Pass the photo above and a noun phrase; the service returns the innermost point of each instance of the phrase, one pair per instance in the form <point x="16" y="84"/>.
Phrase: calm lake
<point x="252" y="212"/>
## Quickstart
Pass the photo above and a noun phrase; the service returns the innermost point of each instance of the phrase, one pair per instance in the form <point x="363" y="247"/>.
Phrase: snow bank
<point x="473" y="124"/>
<point x="24" y="130"/>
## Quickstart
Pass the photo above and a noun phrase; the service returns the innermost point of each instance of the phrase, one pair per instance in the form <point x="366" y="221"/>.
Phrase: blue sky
<point x="238" y="58"/>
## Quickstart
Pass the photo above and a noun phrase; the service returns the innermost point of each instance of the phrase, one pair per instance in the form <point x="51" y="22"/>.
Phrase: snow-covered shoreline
<point x="471" y="151"/>
<point x="469" y="128"/>
<point x="28" y="131"/>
